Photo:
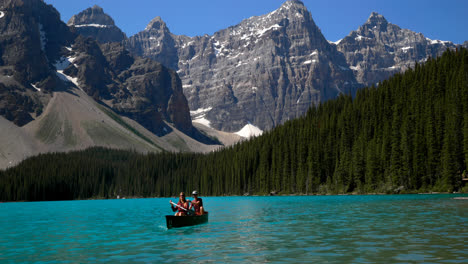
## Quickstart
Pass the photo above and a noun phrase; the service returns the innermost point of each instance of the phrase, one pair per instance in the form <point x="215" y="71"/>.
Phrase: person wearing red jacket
<point x="182" y="205"/>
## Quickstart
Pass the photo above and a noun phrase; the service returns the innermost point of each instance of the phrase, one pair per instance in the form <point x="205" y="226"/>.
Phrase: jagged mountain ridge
<point x="265" y="70"/>
<point x="254" y="72"/>
<point x="379" y="49"/>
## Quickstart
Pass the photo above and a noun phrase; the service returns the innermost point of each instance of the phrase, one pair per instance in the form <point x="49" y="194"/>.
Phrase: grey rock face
<point x="265" y="70"/>
<point x="379" y="49"/>
<point x="31" y="38"/>
<point x="155" y="42"/>
<point x="152" y="94"/>
<point x="140" y="89"/>
<point x="93" y="22"/>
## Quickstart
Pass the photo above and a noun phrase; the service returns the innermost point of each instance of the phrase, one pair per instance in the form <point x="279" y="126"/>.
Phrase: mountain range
<point x="272" y="68"/>
<point x="85" y="83"/>
<point x="60" y="91"/>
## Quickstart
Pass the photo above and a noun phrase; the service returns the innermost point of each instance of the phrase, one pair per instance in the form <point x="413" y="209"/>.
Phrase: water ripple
<point x="332" y="229"/>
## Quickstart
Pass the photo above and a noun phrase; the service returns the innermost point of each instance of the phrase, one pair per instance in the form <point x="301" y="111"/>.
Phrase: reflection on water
<point x="333" y="229"/>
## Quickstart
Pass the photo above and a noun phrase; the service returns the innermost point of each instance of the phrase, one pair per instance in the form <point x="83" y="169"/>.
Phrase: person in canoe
<point x="181" y="205"/>
<point x="197" y="203"/>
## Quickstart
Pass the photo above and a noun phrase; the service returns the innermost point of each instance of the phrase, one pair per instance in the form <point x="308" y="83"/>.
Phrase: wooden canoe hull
<point x="181" y="221"/>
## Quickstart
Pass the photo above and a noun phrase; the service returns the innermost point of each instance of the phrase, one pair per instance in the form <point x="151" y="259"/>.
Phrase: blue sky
<point x="436" y="19"/>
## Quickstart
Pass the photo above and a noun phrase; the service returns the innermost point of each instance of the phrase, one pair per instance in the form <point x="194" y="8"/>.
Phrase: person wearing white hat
<point x="197" y="203"/>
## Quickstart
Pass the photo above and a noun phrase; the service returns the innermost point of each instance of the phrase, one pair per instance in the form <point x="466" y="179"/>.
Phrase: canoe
<point x="180" y="221"/>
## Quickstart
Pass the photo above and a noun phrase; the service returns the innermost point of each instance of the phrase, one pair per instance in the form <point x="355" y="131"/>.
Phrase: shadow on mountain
<point x="202" y="137"/>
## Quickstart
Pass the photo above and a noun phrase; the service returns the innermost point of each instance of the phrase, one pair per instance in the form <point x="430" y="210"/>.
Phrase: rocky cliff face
<point x="149" y="92"/>
<point x="40" y="55"/>
<point x="94" y="22"/>
<point x="263" y="71"/>
<point x="32" y="37"/>
<point x="138" y="88"/>
<point x="379" y="49"/>
<point x="155" y="42"/>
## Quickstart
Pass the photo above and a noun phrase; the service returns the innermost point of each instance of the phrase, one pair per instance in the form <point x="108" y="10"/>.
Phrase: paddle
<point x="189" y="212"/>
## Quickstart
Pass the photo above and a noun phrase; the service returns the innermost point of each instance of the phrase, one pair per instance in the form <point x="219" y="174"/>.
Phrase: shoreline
<point x="254" y="195"/>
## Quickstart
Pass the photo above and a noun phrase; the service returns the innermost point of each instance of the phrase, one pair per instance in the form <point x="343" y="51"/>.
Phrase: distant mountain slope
<point x="73" y="120"/>
<point x="16" y="144"/>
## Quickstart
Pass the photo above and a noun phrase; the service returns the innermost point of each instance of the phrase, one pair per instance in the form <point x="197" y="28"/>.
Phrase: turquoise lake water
<point x="292" y="229"/>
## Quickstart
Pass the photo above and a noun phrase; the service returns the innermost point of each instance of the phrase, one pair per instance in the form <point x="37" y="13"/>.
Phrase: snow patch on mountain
<point x="67" y="78"/>
<point x="64" y="62"/>
<point x="220" y="48"/>
<point x="359" y="38"/>
<point x="260" y="32"/>
<point x="61" y="65"/>
<point x="198" y="116"/>
<point x="433" y="42"/>
<point x="200" y="111"/>
<point x="35" y="87"/>
<point x="255" y="27"/>
<point x="405" y="49"/>
<point x="309" y="62"/>
<point x="249" y="130"/>
<point x="94" y="25"/>
<point x="335" y="42"/>
<point x="202" y="121"/>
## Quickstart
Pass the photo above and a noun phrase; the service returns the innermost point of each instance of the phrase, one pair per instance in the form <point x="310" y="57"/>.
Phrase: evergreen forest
<point x="407" y="134"/>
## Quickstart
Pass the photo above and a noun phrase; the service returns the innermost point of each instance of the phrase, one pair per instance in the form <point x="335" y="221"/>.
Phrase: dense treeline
<point x="410" y="133"/>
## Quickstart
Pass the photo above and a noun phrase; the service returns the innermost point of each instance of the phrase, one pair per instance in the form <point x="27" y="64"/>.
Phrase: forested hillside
<point x="408" y="134"/>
